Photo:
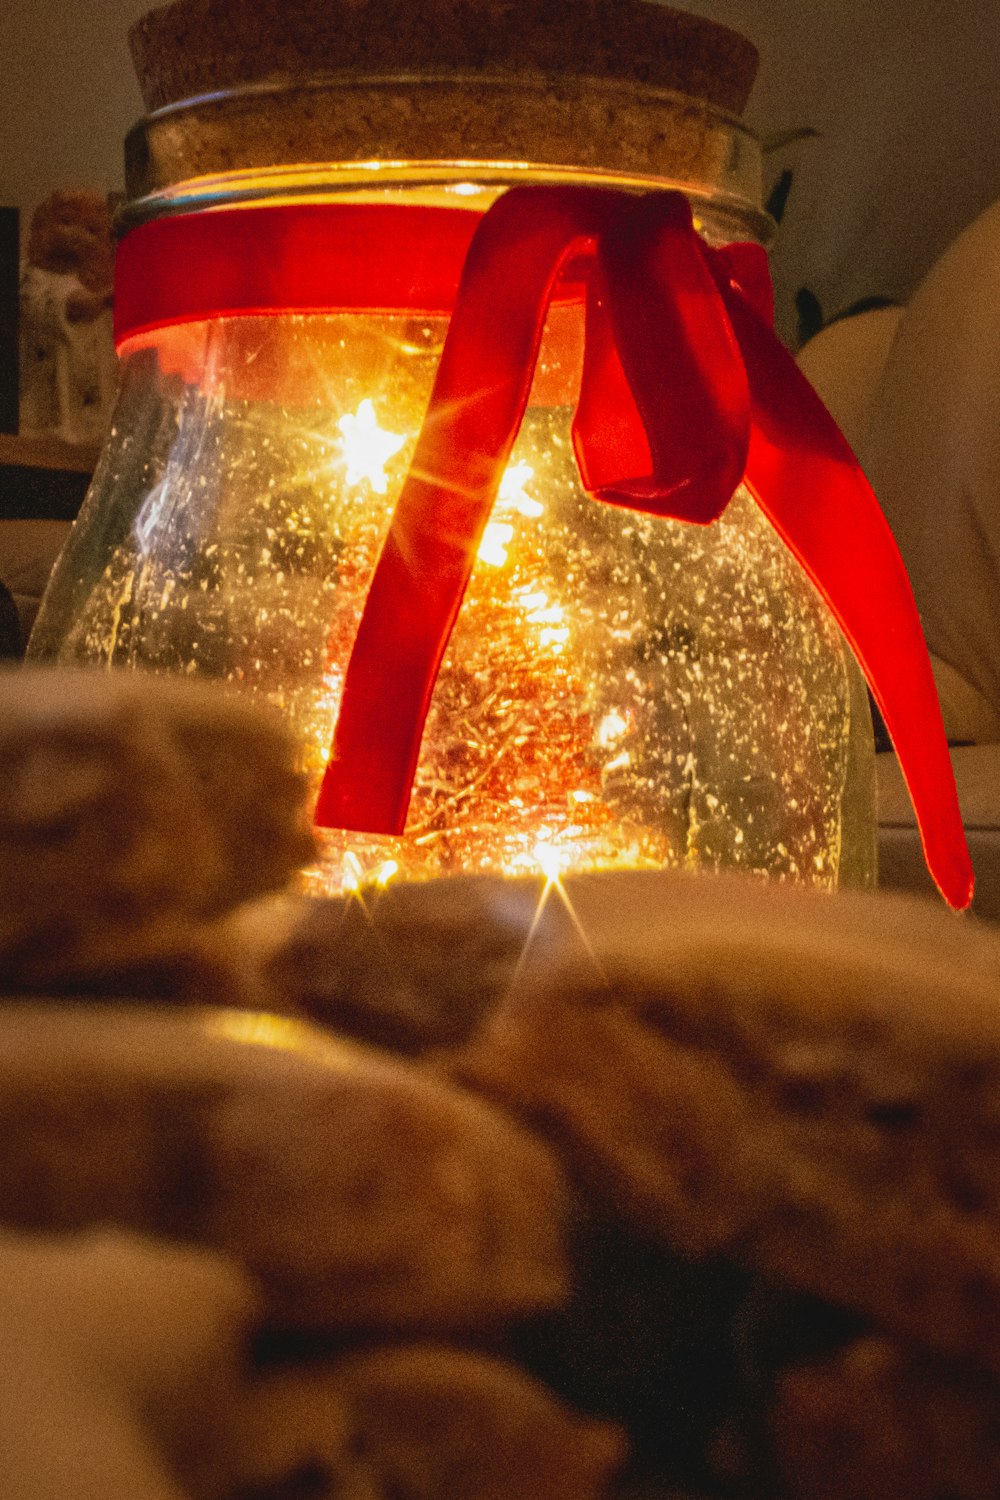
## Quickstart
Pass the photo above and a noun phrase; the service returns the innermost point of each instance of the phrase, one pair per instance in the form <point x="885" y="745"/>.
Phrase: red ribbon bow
<point x="685" y="392"/>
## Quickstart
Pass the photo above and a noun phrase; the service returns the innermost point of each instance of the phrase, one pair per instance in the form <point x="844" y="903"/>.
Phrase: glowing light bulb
<point x="385" y="872"/>
<point x="550" y="614"/>
<point x="366" y="448"/>
<point x="611" y="729"/>
<point x="496" y="539"/>
<point x="512" y="490"/>
<point x="549" y="860"/>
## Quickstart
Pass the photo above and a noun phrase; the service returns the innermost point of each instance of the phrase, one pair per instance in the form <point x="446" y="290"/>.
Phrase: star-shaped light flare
<point x="366" y="447"/>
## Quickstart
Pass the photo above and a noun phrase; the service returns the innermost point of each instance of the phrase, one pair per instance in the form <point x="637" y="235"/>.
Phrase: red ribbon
<point x="685" y="391"/>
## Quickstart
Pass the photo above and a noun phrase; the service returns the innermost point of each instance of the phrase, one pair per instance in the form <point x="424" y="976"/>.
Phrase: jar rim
<point x="529" y="78"/>
<point x="292" y="134"/>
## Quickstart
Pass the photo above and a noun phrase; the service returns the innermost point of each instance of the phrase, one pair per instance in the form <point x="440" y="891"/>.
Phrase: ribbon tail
<point x="479" y="397"/>
<point x="812" y="489"/>
<point x="680" y="365"/>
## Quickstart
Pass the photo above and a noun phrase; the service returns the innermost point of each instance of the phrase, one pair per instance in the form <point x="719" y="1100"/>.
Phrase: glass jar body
<point x="619" y="689"/>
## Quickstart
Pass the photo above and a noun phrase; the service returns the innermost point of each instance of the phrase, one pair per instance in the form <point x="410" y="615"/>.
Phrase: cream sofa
<point x="917" y="391"/>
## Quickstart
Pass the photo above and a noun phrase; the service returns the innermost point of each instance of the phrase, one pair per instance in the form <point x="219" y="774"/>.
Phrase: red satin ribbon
<point x="685" y="391"/>
<point x="296" y="257"/>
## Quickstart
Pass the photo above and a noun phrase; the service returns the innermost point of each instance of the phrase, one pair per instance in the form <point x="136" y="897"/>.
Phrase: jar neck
<point x="316" y="139"/>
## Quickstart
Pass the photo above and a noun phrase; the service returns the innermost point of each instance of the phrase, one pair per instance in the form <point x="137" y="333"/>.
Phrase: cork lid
<point x="197" y="47"/>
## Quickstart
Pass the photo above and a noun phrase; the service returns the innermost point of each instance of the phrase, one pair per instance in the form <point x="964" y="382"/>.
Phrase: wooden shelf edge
<point x="47" y="452"/>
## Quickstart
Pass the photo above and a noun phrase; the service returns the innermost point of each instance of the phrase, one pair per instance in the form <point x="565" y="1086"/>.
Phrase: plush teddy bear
<point x="68" y="369"/>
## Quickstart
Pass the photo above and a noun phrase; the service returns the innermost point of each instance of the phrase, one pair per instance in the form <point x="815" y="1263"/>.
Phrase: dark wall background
<point x="904" y="93"/>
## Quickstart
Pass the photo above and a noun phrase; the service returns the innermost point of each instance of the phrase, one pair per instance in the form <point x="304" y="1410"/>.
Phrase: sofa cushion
<point x="932" y="452"/>
<point x="901" y="860"/>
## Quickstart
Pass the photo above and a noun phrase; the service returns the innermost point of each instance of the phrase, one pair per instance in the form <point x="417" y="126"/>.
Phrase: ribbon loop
<point x="743" y="268"/>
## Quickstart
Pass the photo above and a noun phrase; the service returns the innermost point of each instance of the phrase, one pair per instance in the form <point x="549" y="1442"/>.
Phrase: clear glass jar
<point x="619" y="690"/>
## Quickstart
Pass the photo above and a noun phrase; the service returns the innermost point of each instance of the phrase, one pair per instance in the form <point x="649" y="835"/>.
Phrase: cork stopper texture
<point x="197" y="47"/>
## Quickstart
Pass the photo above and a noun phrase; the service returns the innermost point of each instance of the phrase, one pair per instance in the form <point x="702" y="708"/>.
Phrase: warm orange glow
<point x="518" y="790"/>
<point x="559" y="739"/>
